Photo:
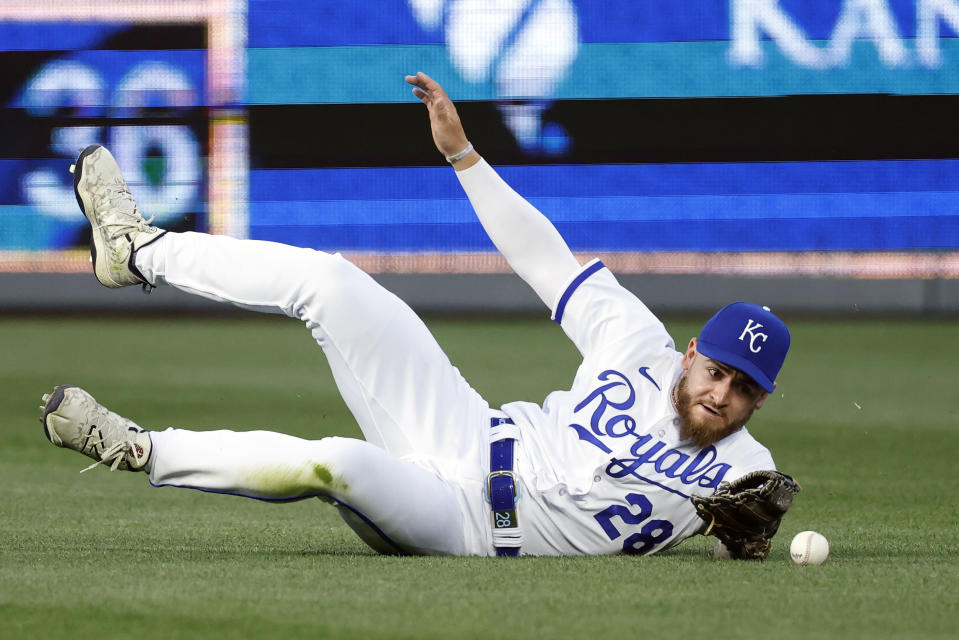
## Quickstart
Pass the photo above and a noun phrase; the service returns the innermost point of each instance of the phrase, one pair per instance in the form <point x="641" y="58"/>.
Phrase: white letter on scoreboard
<point x="928" y="13"/>
<point x="870" y="20"/>
<point x="749" y="18"/>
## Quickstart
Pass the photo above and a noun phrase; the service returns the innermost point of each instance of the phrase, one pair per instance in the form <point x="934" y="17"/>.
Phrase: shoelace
<point x="114" y="454"/>
<point x="123" y="222"/>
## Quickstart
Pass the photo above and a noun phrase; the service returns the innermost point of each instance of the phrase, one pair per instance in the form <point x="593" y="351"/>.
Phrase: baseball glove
<point x="745" y="513"/>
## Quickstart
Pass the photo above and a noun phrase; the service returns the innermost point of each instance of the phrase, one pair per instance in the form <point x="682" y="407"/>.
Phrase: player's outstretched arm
<point x="526" y="238"/>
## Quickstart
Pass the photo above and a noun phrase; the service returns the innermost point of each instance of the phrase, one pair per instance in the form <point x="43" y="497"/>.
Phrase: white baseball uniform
<point x="601" y="467"/>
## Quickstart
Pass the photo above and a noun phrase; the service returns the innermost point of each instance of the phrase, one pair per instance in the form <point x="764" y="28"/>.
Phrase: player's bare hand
<point x="448" y="133"/>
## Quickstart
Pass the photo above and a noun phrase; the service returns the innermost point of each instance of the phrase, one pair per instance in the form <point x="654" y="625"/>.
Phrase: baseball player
<point x="614" y="464"/>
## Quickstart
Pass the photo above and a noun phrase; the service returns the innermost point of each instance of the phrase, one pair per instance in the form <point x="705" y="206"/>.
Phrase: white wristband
<point x="456" y="157"/>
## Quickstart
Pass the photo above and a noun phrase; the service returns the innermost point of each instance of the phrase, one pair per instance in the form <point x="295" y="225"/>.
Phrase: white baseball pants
<point x="415" y="485"/>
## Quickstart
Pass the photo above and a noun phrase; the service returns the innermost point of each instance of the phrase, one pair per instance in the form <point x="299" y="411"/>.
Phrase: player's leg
<point x="409" y="509"/>
<point x="396" y="380"/>
<point x="396" y="506"/>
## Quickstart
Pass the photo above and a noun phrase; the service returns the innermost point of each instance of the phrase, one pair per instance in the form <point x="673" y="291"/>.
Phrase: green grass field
<point x="865" y="418"/>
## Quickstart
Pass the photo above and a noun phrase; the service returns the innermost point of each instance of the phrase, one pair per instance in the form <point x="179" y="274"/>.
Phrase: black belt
<point x="502" y="493"/>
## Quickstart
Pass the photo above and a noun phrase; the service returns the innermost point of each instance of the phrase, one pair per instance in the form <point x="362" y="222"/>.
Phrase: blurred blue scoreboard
<point x="700" y="126"/>
<point x="618" y="50"/>
<point x="64" y="86"/>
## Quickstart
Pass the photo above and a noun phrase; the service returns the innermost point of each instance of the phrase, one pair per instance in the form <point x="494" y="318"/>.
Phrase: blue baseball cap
<point x="748" y="337"/>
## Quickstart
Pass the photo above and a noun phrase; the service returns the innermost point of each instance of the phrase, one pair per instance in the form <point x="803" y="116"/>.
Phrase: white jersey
<point x="603" y="467"/>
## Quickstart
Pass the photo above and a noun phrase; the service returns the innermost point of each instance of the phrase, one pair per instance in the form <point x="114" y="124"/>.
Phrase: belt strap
<point x="502" y="492"/>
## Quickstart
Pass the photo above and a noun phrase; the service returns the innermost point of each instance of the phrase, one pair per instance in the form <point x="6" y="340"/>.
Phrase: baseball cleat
<point x="117" y="226"/>
<point x="74" y="420"/>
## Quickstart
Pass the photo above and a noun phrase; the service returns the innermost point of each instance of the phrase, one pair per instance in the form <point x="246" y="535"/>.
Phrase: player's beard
<point x="699" y="431"/>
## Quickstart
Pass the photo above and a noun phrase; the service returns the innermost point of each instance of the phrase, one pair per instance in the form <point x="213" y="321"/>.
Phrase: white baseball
<point x="809" y="547"/>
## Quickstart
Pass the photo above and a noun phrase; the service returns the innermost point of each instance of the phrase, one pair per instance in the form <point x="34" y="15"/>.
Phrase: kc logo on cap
<point x="751" y="327"/>
<point x="748" y="337"/>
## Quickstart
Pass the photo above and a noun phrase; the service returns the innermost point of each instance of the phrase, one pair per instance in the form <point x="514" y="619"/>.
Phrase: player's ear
<point x="690" y="354"/>
<point x="762" y="398"/>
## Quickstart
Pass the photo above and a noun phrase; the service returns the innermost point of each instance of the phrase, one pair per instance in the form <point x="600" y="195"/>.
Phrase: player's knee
<point x="337" y="461"/>
<point x="332" y="267"/>
<point x="331" y="277"/>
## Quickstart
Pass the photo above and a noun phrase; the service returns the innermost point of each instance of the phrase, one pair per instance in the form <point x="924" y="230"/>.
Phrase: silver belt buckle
<point x="487" y="488"/>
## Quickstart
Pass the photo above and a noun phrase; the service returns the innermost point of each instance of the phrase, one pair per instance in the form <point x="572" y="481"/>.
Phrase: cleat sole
<point x="77" y="170"/>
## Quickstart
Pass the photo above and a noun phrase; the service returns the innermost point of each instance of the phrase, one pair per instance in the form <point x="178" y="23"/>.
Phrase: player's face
<point x="713" y="399"/>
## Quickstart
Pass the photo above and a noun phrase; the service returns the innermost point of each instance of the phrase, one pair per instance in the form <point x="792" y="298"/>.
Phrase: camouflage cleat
<point x="74" y="420"/>
<point x="118" y="228"/>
